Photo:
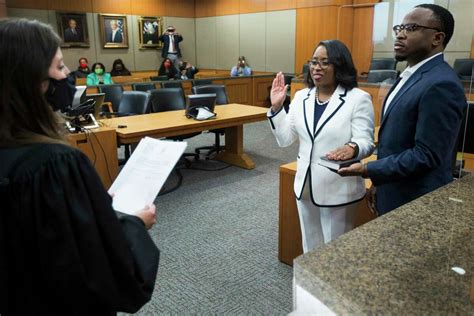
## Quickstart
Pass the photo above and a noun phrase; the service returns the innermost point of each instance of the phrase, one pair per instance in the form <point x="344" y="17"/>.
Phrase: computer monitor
<point x="99" y="99"/>
<point x="196" y="101"/>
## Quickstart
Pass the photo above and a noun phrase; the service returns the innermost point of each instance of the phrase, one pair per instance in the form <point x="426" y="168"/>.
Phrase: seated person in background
<point x="83" y="69"/>
<point x="99" y="76"/>
<point x="241" y="69"/>
<point x="119" y="69"/>
<point x="62" y="246"/>
<point x="167" y="69"/>
<point x="187" y="70"/>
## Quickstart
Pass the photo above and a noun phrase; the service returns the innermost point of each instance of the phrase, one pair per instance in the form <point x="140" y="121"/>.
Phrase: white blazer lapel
<point x="308" y="108"/>
<point x="337" y="99"/>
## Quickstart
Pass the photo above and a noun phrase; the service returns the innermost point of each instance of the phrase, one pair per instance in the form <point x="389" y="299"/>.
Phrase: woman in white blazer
<point x="330" y="118"/>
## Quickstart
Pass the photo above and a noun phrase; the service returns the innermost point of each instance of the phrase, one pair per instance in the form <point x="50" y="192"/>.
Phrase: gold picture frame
<point x="113" y="31"/>
<point x="149" y="30"/>
<point x="72" y="28"/>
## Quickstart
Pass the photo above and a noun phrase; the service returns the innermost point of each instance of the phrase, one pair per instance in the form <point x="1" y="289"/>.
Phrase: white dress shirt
<point x="171" y="49"/>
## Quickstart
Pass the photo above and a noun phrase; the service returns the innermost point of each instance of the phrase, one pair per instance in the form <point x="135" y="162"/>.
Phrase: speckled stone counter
<point x="400" y="263"/>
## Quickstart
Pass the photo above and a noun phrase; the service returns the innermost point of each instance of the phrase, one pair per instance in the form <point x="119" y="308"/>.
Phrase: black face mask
<point x="60" y="93"/>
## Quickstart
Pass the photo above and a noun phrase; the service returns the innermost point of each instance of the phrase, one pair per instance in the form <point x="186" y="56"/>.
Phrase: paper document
<point x="144" y="174"/>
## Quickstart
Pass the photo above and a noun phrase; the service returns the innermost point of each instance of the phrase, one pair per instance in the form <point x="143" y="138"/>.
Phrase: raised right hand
<point x="147" y="215"/>
<point x="278" y="92"/>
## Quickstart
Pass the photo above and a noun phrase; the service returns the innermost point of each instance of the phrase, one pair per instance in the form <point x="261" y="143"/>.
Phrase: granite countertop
<point x="400" y="263"/>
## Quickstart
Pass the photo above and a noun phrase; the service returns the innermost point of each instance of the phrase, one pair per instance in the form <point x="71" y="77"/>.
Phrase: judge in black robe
<point x="63" y="250"/>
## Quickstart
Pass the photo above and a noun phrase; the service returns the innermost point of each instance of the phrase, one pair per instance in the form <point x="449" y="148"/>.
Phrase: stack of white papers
<point x="144" y="174"/>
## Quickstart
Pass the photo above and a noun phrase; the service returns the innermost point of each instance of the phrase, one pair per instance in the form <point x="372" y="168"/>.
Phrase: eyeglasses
<point x="323" y="63"/>
<point x="412" y="27"/>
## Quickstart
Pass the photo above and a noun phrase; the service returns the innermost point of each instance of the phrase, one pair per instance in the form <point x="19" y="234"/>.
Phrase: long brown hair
<point x="27" y="49"/>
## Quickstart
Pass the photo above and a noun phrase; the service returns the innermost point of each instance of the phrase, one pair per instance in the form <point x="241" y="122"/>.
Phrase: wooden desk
<point x="174" y="123"/>
<point x="289" y="229"/>
<point x="100" y="146"/>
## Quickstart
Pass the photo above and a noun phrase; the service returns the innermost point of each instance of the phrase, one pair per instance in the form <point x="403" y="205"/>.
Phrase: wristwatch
<point x="353" y="146"/>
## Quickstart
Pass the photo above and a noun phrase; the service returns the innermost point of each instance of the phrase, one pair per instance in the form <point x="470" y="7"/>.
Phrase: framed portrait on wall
<point x="150" y="29"/>
<point x="72" y="28"/>
<point x="113" y="31"/>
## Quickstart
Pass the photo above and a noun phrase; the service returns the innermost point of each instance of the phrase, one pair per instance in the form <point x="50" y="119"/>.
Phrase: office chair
<point x="305" y="71"/>
<point x="113" y="94"/>
<point x="385" y="76"/>
<point x="464" y="68"/>
<point x="172" y="84"/>
<point x="143" y="86"/>
<point x="201" y="82"/>
<point x="159" y="78"/>
<point x="221" y="98"/>
<point x="133" y="103"/>
<point x="383" y="64"/>
<point x="286" y="103"/>
<point x="171" y="99"/>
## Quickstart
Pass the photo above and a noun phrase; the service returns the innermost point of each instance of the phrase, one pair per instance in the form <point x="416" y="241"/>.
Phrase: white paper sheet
<point x="144" y="174"/>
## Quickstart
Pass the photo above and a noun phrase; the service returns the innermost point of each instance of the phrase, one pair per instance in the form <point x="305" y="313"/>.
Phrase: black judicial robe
<point x="63" y="250"/>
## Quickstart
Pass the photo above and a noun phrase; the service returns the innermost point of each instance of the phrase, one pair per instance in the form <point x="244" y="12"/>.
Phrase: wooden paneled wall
<point x="176" y="8"/>
<point x="207" y="8"/>
<point x="3" y="9"/>
<point x="337" y="19"/>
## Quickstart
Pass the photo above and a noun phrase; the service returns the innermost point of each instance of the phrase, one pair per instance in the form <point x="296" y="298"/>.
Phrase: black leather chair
<point x="383" y="64"/>
<point x="143" y="86"/>
<point x="113" y="94"/>
<point x="305" y="71"/>
<point x="385" y="76"/>
<point x="201" y="82"/>
<point x="219" y="90"/>
<point x="159" y="78"/>
<point x="221" y="98"/>
<point x="464" y="68"/>
<point x="172" y="84"/>
<point x="171" y="99"/>
<point x="133" y="103"/>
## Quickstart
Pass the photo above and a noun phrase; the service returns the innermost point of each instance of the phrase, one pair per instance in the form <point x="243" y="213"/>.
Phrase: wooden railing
<point x="251" y="90"/>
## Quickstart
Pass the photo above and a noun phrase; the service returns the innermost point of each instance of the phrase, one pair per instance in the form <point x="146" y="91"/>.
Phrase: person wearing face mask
<point x="167" y="69"/>
<point x="63" y="249"/>
<point x="119" y="69"/>
<point x="99" y="76"/>
<point x="83" y="69"/>
<point x="330" y="118"/>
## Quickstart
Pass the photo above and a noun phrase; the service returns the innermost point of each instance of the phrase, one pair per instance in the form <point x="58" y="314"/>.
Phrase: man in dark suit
<point x="115" y="34"/>
<point x="421" y="115"/>
<point x="171" y="50"/>
<point x="72" y="33"/>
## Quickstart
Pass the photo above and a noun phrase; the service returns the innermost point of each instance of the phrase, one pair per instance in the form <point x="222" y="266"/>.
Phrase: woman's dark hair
<point x="100" y="64"/>
<point x="79" y="61"/>
<point x="117" y="62"/>
<point x="339" y="56"/>
<point x="27" y="49"/>
<point x="171" y="73"/>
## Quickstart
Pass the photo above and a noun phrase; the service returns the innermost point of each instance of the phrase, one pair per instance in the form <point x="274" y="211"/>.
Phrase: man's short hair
<point x="443" y="17"/>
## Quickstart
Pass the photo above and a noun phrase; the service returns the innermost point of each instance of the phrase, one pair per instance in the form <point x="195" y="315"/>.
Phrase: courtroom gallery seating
<point x="464" y="68"/>
<point x="143" y="86"/>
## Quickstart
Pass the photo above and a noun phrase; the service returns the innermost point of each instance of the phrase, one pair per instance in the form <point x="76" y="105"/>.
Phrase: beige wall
<point x="266" y="39"/>
<point x="134" y="58"/>
<point x="391" y="12"/>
